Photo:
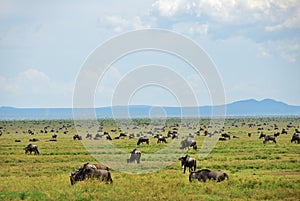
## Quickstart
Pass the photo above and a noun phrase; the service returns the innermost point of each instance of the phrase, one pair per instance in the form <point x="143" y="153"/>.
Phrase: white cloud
<point x="171" y="7"/>
<point x="120" y="24"/>
<point x="192" y="28"/>
<point x="33" y="88"/>
<point x="289" y="50"/>
<point x="289" y="23"/>
<point x="233" y="11"/>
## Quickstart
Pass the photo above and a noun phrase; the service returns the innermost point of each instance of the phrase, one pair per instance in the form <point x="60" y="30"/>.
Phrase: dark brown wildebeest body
<point x="142" y="140"/>
<point x="161" y="139"/>
<point x="187" y="161"/>
<point x="204" y="174"/>
<point x="135" y="156"/>
<point x="269" y="138"/>
<point x="89" y="171"/>
<point x="78" y="137"/>
<point x="31" y="148"/>
<point x="295" y="138"/>
<point x="186" y="143"/>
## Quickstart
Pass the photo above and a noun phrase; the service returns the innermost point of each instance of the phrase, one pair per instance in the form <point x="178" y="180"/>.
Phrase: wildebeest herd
<point x="161" y="135"/>
<point x="90" y="171"/>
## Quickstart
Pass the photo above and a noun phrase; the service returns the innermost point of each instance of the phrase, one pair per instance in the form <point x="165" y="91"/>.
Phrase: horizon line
<point x="144" y="105"/>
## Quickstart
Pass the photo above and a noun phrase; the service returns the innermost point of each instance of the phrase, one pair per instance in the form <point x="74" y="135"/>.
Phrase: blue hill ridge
<point x="250" y="107"/>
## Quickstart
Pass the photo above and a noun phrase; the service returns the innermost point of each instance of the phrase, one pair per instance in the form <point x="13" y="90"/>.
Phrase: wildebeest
<point x="201" y="175"/>
<point x="31" y="148"/>
<point x="131" y="136"/>
<point x="89" y="136"/>
<point x="122" y="135"/>
<point x="108" y="137"/>
<point x="17" y="140"/>
<point x="186" y="143"/>
<point x="217" y="175"/>
<point x="98" y="166"/>
<point x="225" y="135"/>
<point x="78" y="137"/>
<point x="142" y="140"/>
<point x="204" y="174"/>
<point x="161" y="139"/>
<point x="284" y="131"/>
<point x="90" y="171"/>
<point x="276" y="134"/>
<point x="262" y="135"/>
<point x="187" y="161"/>
<point x="295" y="138"/>
<point x="33" y="140"/>
<point x="222" y="139"/>
<point x="135" y="156"/>
<point x="269" y="138"/>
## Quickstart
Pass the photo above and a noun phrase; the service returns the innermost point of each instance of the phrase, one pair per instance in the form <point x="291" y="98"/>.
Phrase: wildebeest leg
<point x="203" y="178"/>
<point x="37" y="152"/>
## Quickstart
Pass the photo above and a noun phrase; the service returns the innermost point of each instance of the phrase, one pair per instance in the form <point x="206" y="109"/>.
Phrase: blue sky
<point x="254" y="44"/>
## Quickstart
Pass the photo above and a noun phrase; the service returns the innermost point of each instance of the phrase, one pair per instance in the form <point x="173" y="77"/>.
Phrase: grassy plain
<point x="256" y="171"/>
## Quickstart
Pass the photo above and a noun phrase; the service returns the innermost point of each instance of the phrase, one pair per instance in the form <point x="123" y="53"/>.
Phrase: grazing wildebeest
<point x="217" y="175"/>
<point x="225" y="135"/>
<point x="295" y="138"/>
<point x="262" y="135"/>
<point x="186" y="143"/>
<point x="135" y="156"/>
<point x="17" y="140"/>
<point x="78" y="137"/>
<point x="31" y="148"/>
<point x="131" y="136"/>
<point x="269" y="138"/>
<point x="276" y="134"/>
<point x="187" y="161"/>
<point x="99" y="166"/>
<point x="284" y="131"/>
<point x="161" y="139"/>
<point x="222" y="139"/>
<point x="122" y="135"/>
<point x="33" y="140"/>
<point x="249" y="134"/>
<point x="89" y="136"/>
<point x="54" y="136"/>
<point x="201" y="175"/>
<point x="90" y="171"/>
<point x="142" y="140"/>
<point x="108" y="137"/>
<point x="204" y="174"/>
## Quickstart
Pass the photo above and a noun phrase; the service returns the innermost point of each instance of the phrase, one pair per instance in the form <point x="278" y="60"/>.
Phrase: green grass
<point x="256" y="171"/>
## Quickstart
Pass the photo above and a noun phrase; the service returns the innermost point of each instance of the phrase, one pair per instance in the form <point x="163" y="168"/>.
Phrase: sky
<point x="254" y="45"/>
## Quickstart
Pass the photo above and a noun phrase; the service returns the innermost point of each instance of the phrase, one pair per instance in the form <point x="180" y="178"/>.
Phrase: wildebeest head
<point x="75" y="177"/>
<point x="183" y="159"/>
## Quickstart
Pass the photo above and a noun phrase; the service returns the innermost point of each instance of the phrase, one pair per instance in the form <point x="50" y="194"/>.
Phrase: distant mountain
<point x="261" y="108"/>
<point x="251" y="107"/>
